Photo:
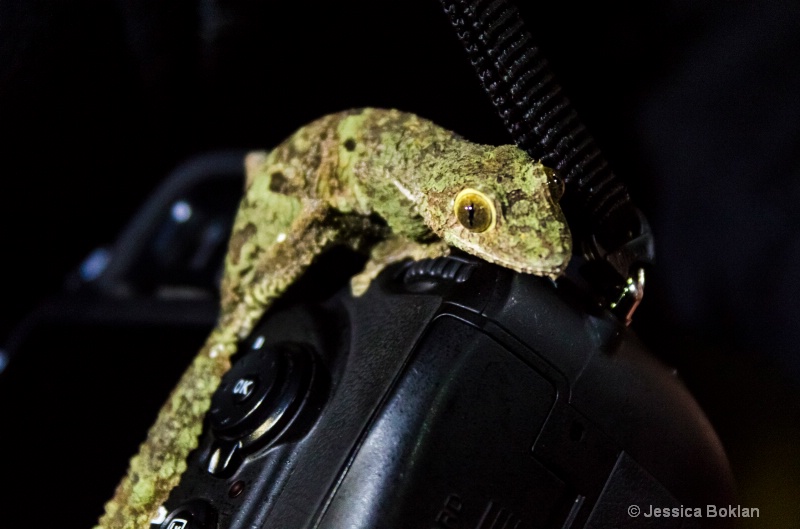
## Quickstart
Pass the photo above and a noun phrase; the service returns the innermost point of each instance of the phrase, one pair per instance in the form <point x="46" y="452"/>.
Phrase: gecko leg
<point x="394" y="249"/>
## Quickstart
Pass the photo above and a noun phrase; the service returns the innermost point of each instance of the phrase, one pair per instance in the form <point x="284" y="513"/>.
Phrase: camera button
<point x="196" y="514"/>
<point x="247" y="387"/>
<point x="257" y="402"/>
<point x="244" y="388"/>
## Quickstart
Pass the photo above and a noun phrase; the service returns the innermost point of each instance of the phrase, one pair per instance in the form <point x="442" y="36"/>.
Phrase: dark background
<point x="694" y="103"/>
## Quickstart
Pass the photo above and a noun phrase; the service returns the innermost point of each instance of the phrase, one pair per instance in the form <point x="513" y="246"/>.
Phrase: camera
<point x="452" y="394"/>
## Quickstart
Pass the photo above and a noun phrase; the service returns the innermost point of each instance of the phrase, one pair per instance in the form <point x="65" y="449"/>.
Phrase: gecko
<point x="385" y="182"/>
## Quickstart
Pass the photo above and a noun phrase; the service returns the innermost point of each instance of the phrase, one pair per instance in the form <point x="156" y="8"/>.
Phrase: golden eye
<point x="474" y="210"/>
<point x="555" y="184"/>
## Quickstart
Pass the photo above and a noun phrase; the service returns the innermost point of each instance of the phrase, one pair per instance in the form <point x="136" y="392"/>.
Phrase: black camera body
<point x="452" y="394"/>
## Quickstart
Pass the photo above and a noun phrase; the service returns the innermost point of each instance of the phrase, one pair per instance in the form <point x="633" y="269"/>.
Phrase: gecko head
<point x="503" y="207"/>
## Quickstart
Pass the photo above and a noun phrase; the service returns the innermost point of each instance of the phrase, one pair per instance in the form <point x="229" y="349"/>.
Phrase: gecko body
<point x="381" y="181"/>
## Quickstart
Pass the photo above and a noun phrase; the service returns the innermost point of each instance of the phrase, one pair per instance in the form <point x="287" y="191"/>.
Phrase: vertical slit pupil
<point x="474" y="211"/>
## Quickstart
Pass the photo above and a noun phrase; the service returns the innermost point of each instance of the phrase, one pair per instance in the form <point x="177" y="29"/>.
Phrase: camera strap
<point x="610" y="231"/>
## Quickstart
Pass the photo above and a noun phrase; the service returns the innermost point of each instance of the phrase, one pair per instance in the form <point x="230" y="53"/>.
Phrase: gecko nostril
<point x="350" y="144"/>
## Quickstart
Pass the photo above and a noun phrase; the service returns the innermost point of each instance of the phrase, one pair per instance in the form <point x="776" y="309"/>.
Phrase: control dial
<point x="257" y="399"/>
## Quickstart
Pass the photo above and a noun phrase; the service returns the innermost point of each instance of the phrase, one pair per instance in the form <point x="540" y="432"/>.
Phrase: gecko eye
<point x="474" y="210"/>
<point x="555" y="184"/>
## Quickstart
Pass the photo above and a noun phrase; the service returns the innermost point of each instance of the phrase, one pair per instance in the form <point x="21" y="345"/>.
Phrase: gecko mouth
<point x="550" y="266"/>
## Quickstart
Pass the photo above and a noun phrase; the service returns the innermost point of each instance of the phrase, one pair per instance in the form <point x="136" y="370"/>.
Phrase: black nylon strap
<point x="542" y="122"/>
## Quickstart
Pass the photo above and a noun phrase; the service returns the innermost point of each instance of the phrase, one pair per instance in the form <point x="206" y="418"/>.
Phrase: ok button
<point x="250" y="385"/>
<point x="243" y="388"/>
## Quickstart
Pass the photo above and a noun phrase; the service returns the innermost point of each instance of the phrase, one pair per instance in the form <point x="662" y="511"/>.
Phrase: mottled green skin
<point x="324" y="186"/>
